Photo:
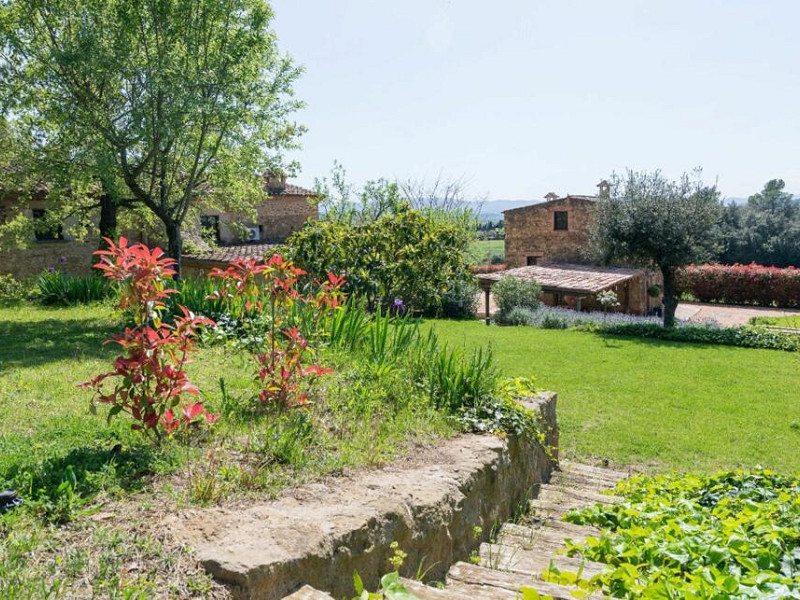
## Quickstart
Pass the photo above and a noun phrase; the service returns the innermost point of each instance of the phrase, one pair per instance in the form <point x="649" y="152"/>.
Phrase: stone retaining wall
<point x="320" y="533"/>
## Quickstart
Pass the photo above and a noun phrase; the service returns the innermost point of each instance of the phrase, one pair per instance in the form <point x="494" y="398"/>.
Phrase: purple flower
<point x="398" y="304"/>
<point x="62" y="260"/>
<point x="51" y="269"/>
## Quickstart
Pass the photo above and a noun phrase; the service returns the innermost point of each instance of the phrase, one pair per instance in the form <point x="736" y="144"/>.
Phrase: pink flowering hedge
<point x="741" y="284"/>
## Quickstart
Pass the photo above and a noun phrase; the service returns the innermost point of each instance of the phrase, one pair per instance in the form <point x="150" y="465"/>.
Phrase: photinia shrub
<point x="272" y="288"/>
<point x="741" y="284"/>
<point x="149" y="381"/>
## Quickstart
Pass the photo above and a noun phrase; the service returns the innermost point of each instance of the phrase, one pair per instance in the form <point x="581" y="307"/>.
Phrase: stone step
<point x="480" y="582"/>
<point x="544" y="535"/>
<point x="568" y="466"/>
<point x="427" y="592"/>
<point x="308" y="593"/>
<point x="542" y="508"/>
<point x="578" y="480"/>
<point x="550" y="492"/>
<point x="534" y="562"/>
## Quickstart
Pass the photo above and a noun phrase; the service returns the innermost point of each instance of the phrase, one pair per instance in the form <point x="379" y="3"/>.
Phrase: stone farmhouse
<point x="549" y="241"/>
<point x="286" y="210"/>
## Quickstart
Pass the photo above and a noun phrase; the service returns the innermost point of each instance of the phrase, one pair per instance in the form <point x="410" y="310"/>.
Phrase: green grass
<point x="789" y="321"/>
<point x="69" y="464"/>
<point x="481" y="251"/>
<point x="659" y="405"/>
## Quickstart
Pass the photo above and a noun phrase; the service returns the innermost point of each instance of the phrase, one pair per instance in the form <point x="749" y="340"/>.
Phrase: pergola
<point x="564" y="279"/>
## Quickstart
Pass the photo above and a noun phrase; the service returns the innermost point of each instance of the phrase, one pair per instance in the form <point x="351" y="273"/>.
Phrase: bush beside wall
<point x="741" y="284"/>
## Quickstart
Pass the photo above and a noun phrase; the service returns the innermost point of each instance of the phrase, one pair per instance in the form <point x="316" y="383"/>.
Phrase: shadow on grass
<point x="81" y="473"/>
<point x="32" y="343"/>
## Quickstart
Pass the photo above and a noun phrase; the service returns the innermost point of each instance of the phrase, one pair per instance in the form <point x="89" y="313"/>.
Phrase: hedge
<point x="741" y="284"/>
<point x="745" y="336"/>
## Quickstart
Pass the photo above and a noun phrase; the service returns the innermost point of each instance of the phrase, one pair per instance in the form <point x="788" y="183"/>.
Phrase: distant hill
<point x="492" y="210"/>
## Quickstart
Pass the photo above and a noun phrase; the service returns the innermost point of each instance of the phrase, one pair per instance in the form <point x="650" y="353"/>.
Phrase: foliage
<point x="249" y="290"/>
<point x="11" y="289"/>
<point x="458" y="302"/>
<point x="56" y="287"/>
<point x="650" y="220"/>
<point x="160" y="105"/>
<point x="741" y="284"/>
<point x="150" y="379"/>
<point x="391" y="589"/>
<point x="729" y="535"/>
<point x="766" y="230"/>
<point x="555" y="317"/>
<point x="745" y="336"/>
<point x="404" y="253"/>
<point x="788" y="321"/>
<point x="513" y="292"/>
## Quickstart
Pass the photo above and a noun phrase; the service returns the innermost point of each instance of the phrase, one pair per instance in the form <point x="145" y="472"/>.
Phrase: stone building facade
<point x="286" y="210"/>
<point x="556" y="230"/>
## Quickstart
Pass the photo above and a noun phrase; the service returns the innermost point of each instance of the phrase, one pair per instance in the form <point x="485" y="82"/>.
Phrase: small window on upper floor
<point x="45" y="235"/>
<point x="561" y="220"/>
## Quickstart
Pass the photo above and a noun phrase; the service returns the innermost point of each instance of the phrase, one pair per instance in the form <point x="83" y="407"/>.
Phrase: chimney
<point x="604" y="187"/>
<point x="276" y="182"/>
<point x="551" y="196"/>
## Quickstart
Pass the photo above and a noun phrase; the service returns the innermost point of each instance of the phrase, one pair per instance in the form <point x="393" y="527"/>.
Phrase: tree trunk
<point x="670" y="298"/>
<point x="108" y="219"/>
<point x="174" y="243"/>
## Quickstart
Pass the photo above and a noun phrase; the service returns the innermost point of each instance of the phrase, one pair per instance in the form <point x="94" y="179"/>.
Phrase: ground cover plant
<point x="654" y="403"/>
<point x="733" y="534"/>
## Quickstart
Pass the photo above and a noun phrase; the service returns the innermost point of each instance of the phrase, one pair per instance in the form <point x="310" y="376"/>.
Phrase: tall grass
<point x="59" y="288"/>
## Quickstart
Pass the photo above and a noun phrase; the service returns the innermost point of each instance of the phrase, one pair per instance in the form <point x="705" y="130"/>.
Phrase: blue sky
<point x="526" y="97"/>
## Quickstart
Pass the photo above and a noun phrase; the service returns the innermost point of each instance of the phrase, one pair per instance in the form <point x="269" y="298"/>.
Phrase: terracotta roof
<point x="544" y="203"/>
<point x="225" y="254"/>
<point x="566" y="277"/>
<point x="293" y="190"/>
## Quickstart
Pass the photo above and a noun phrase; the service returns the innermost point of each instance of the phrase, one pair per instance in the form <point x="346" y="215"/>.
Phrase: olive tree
<point x="177" y="102"/>
<point x="650" y="220"/>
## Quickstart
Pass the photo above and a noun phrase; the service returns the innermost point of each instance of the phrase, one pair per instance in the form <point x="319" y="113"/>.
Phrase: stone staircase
<point x="522" y="552"/>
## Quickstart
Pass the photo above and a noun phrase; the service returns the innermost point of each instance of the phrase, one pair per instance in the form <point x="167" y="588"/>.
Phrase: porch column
<point x="487" y="291"/>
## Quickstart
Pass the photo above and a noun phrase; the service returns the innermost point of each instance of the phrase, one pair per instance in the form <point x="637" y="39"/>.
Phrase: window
<point x="532" y="260"/>
<point x="561" y="220"/>
<point x="45" y="235"/>
<point x="210" y="226"/>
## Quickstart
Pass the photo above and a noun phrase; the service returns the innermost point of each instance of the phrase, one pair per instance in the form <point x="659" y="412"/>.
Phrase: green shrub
<point x="56" y="287"/>
<point x="745" y="336"/>
<point x="12" y="289"/>
<point x="459" y="301"/>
<point x="409" y="254"/>
<point x="517" y="316"/>
<point x="513" y="292"/>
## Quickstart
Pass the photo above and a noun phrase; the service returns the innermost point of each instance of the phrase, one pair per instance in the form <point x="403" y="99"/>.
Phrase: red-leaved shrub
<point x="253" y="288"/>
<point x="741" y="284"/>
<point x="148" y="381"/>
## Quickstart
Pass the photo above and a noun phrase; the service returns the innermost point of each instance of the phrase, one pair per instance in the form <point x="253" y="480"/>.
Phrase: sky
<point x="523" y="97"/>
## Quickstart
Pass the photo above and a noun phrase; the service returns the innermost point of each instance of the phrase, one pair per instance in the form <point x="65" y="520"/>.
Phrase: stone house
<point x="286" y="209"/>
<point x="550" y="241"/>
<point x="554" y="230"/>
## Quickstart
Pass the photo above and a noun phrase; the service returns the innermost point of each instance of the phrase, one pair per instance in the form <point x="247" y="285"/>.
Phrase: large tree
<point x="650" y="220"/>
<point x="178" y="102"/>
<point x="765" y="230"/>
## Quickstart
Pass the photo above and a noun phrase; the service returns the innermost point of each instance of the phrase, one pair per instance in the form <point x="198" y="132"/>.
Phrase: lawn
<point x="659" y="405"/>
<point x="481" y="251"/>
<point x="789" y="321"/>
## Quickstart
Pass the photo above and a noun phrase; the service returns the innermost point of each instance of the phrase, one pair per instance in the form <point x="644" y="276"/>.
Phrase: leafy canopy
<point x="172" y="101"/>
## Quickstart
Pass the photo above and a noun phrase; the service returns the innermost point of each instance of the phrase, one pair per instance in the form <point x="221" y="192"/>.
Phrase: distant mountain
<point x="492" y="210"/>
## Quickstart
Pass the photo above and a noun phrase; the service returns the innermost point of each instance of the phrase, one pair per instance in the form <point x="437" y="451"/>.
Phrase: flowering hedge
<point x="741" y="284"/>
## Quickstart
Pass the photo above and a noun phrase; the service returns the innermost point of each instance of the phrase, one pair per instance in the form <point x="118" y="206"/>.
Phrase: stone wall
<point x="40" y="256"/>
<point x="277" y="218"/>
<point x="530" y="232"/>
<point x="430" y="503"/>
